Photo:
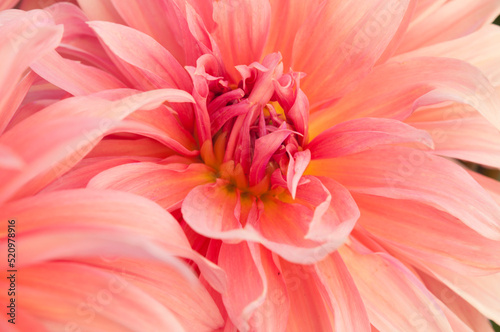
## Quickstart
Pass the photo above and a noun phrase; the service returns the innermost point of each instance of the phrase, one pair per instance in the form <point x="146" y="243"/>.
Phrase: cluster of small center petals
<point x="256" y="127"/>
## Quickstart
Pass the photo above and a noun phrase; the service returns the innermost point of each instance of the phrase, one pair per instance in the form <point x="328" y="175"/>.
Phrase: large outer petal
<point x="405" y="173"/>
<point x="452" y="20"/>
<point x="411" y="84"/>
<point x="396" y="300"/>
<point x="426" y="233"/>
<point x="167" y="185"/>
<point x="340" y="42"/>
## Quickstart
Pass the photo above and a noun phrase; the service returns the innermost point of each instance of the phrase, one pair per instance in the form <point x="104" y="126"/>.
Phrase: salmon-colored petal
<point x="142" y="59"/>
<point x="84" y="216"/>
<point x="74" y="77"/>
<point x="308" y="311"/>
<point x="342" y="294"/>
<point x="465" y="49"/>
<point x="361" y="134"/>
<point x="404" y="173"/>
<point x="452" y="20"/>
<point x="357" y="35"/>
<point x="188" y="300"/>
<point x="9" y="159"/>
<point x="100" y="10"/>
<point x="8" y="4"/>
<point x="416" y="229"/>
<point x="167" y="185"/>
<point x="53" y="140"/>
<point x="18" y="51"/>
<point x="242" y="29"/>
<point x="409" y="85"/>
<point x="479" y="291"/>
<point x="164" y="21"/>
<point x="470" y="138"/>
<point x="287" y="16"/>
<point x="399" y="302"/>
<point x="86" y="297"/>
<point x="468" y="314"/>
<point x="247" y="286"/>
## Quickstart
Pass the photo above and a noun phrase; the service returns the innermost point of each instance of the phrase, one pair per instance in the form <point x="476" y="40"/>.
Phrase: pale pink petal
<point x="465" y="48"/>
<point x="167" y="185"/>
<point x="343" y="296"/>
<point x="481" y="292"/>
<point x="18" y="51"/>
<point x="396" y="300"/>
<point x="9" y="159"/>
<point x="409" y="85"/>
<point x="242" y="29"/>
<point x="428" y="234"/>
<point x="404" y="173"/>
<point x="74" y="77"/>
<point x="142" y="59"/>
<point x="100" y="10"/>
<point x="164" y="21"/>
<point x="361" y="134"/>
<point x="468" y="314"/>
<point x="470" y="138"/>
<point x="341" y="41"/>
<point x="56" y="138"/>
<point x="452" y="20"/>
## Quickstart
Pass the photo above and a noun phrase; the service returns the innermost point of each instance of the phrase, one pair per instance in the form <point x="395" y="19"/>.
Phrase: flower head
<point x="294" y="162"/>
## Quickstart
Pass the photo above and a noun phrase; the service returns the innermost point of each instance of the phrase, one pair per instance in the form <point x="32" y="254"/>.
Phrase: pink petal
<point x="362" y="134"/>
<point x="287" y="16"/>
<point x="404" y="173"/>
<point x="468" y="314"/>
<point x="142" y="59"/>
<point x="56" y="138"/>
<point x="167" y="185"/>
<point x="296" y="167"/>
<point x="242" y="29"/>
<point x="308" y="310"/>
<point x="409" y="85"/>
<point x="90" y="298"/>
<point x="164" y="21"/>
<point x="342" y="295"/>
<point x="111" y="221"/>
<point x="246" y="288"/>
<point x="9" y="159"/>
<point x="470" y="138"/>
<point x="18" y="52"/>
<point x="399" y="302"/>
<point x="452" y="20"/>
<point x="357" y="35"/>
<point x="74" y="77"/>
<point x="100" y="10"/>
<point x="479" y="291"/>
<point x="428" y="234"/>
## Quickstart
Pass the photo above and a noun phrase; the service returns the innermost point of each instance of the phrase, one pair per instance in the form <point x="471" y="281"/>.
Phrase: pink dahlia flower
<point x="252" y="165"/>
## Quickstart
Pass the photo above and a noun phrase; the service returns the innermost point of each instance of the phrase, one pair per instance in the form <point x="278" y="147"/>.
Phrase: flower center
<point x="257" y="129"/>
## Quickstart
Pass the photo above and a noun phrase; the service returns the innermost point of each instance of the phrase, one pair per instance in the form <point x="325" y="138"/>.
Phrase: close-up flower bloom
<point x="249" y="165"/>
